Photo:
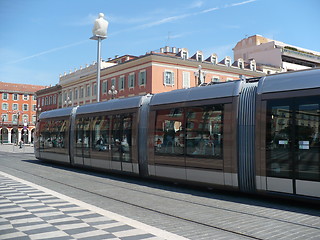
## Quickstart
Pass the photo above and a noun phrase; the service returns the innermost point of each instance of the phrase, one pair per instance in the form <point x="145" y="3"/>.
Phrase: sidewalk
<point x="16" y="149"/>
<point x="29" y="211"/>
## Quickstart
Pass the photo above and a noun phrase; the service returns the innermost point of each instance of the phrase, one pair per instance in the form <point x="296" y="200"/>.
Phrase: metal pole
<point x="98" y="70"/>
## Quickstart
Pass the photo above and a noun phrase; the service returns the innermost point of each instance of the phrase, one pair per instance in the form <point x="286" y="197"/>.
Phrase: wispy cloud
<point x="240" y="3"/>
<point x="47" y="51"/>
<point x="90" y="19"/>
<point x="182" y="16"/>
<point x="196" y="4"/>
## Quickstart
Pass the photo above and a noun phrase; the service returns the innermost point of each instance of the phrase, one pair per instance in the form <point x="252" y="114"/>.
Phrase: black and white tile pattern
<point x="29" y="211"/>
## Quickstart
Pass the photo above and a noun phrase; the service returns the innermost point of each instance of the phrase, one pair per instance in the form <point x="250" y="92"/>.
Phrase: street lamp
<point x="67" y="102"/>
<point x="200" y="76"/>
<point x="112" y="91"/>
<point x="99" y="32"/>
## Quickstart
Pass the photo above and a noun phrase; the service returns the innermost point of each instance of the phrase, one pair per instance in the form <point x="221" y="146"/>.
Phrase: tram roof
<point x="61" y="112"/>
<point x="220" y="90"/>
<point x="111" y="105"/>
<point x="298" y="80"/>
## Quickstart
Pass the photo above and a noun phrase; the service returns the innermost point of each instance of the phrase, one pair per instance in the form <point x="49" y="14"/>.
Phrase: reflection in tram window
<point x="308" y="141"/>
<point x="100" y="133"/>
<point x="205" y="131"/>
<point x="292" y="143"/>
<point x="169" y="135"/>
<point x="203" y="135"/>
<point x="53" y="135"/>
<point x="121" y="138"/>
<point x="278" y="139"/>
<point x="82" y="135"/>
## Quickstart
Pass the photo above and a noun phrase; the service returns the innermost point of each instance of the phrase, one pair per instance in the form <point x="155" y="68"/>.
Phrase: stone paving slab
<point x="29" y="211"/>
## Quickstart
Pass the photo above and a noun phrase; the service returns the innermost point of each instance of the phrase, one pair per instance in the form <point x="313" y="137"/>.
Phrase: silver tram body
<point x="257" y="136"/>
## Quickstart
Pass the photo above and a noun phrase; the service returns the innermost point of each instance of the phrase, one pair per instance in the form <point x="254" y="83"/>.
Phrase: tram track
<point x="168" y="214"/>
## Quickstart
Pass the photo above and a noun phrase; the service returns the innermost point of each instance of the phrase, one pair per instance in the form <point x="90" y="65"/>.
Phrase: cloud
<point x="186" y="15"/>
<point x="196" y="4"/>
<point x="47" y="51"/>
<point x="240" y="3"/>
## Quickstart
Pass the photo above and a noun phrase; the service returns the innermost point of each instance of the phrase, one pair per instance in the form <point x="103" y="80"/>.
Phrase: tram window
<point x="169" y="134"/>
<point x="53" y="135"/>
<point x="204" y="131"/>
<point x="121" y="141"/>
<point x="308" y="162"/>
<point x="82" y="135"/>
<point x="100" y="133"/>
<point x="279" y="124"/>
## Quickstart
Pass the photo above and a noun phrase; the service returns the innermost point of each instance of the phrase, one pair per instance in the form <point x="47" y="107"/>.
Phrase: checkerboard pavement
<point x="29" y="211"/>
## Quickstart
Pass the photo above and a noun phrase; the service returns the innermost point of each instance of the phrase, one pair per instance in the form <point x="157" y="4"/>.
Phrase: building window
<point x="76" y="93"/>
<point x="4" y="106"/>
<point x="186" y="80"/>
<point x="4" y="96"/>
<point x="240" y="63"/>
<point x="34" y="107"/>
<point x="34" y="97"/>
<point x="168" y="78"/>
<point x="25" y="107"/>
<point x="70" y="95"/>
<point x="47" y="101"/>
<point x="88" y="91"/>
<point x="113" y="82"/>
<point x="42" y="101"/>
<point x="14" y="118"/>
<point x="55" y="99"/>
<point x="214" y="59"/>
<point x="121" y="82"/>
<point x="142" y="78"/>
<point x="15" y="97"/>
<point x="215" y="79"/>
<point x="94" y="89"/>
<point x="4" y="118"/>
<point x="15" y="106"/>
<point x="104" y="87"/>
<point x="81" y="92"/>
<point x="25" y="97"/>
<point x="131" y="80"/>
<point x="228" y="62"/>
<point x="25" y="118"/>
<point x="199" y="56"/>
<point x="184" y="54"/>
<point x="34" y="119"/>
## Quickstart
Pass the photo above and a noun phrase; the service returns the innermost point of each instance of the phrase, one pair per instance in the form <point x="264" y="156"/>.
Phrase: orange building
<point x="157" y="71"/>
<point x="18" y="112"/>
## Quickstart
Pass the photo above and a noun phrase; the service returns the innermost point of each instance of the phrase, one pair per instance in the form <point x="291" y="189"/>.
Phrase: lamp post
<point x="200" y="76"/>
<point x="17" y="135"/>
<point x="99" y="32"/>
<point x="2" y="129"/>
<point x="112" y="91"/>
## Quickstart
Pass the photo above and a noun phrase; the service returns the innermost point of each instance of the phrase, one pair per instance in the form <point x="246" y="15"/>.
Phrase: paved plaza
<point x="29" y="211"/>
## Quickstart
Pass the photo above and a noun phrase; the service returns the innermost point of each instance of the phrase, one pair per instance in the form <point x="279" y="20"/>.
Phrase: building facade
<point x="158" y="71"/>
<point x="18" y="111"/>
<point x="273" y="56"/>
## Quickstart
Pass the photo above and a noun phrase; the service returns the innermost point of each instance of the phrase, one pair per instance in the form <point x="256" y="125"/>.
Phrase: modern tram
<point x="256" y="135"/>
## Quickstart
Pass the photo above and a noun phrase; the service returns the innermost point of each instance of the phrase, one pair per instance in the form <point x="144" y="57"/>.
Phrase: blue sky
<point x="40" y="39"/>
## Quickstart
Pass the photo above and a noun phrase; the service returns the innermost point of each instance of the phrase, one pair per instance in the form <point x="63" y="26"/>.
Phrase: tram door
<point x="292" y="145"/>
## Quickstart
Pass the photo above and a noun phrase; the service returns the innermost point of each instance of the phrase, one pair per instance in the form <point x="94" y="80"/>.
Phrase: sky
<point x="41" y="39"/>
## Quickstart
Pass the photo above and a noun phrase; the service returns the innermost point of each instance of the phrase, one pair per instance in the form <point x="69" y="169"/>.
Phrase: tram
<point x="256" y="135"/>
